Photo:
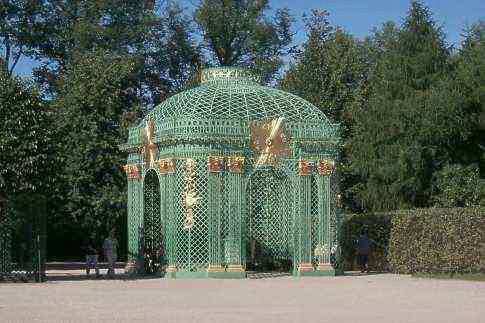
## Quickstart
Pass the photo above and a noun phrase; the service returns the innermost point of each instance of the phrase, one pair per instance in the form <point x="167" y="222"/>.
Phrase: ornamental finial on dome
<point x="228" y="74"/>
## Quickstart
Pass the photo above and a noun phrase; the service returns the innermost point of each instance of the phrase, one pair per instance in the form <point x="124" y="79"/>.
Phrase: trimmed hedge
<point x="378" y="228"/>
<point x="437" y="240"/>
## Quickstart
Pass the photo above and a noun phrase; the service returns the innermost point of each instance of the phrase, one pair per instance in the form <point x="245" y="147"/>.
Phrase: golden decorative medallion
<point x="215" y="164"/>
<point x="132" y="171"/>
<point x="167" y="166"/>
<point x="149" y="148"/>
<point x="235" y="164"/>
<point x="326" y="167"/>
<point x="305" y="167"/>
<point x="270" y="141"/>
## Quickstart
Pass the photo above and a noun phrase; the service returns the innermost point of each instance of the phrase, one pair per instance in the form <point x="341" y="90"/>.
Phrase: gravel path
<point x="373" y="298"/>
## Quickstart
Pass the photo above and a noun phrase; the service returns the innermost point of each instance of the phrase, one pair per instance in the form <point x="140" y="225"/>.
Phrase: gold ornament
<point x="132" y="171"/>
<point x="167" y="166"/>
<point x="305" y="167"/>
<point x="270" y="141"/>
<point x="215" y="164"/>
<point x="191" y="197"/>
<point x="326" y="167"/>
<point x="149" y="148"/>
<point x="235" y="164"/>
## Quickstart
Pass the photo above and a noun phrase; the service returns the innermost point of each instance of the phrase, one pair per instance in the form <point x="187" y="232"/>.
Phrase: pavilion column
<point x="326" y="234"/>
<point x="171" y="219"/>
<point x="215" y="187"/>
<point x="234" y="250"/>
<point x="304" y="216"/>
<point x="135" y="191"/>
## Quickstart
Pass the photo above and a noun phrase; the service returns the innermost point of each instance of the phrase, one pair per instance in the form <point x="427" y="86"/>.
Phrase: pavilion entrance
<point x="152" y="223"/>
<point x="269" y="223"/>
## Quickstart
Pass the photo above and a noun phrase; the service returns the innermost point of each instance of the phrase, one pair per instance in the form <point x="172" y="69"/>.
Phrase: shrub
<point x="377" y="226"/>
<point x="437" y="240"/>
<point x="459" y="186"/>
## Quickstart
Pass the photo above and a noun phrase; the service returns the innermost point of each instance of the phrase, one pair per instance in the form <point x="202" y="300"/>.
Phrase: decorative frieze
<point x="167" y="166"/>
<point x="132" y="171"/>
<point x="235" y="164"/>
<point x="326" y="167"/>
<point x="305" y="167"/>
<point x="215" y="164"/>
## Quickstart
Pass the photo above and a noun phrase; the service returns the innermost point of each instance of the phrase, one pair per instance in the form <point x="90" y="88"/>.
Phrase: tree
<point x="238" y="32"/>
<point x="328" y="69"/>
<point x="94" y="96"/>
<point x="161" y="44"/>
<point x="17" y="17"/>
<point x="411" y="121"/>
<point x="458" y="186"/>
<point x="25" y="137"/>
<point x="469" y="78"/>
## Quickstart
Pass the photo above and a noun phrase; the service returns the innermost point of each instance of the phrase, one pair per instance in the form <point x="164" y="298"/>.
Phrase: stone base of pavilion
<point x="205" y="274"/>
<point x="307" y="270"/>
<point x="236" y="272"/>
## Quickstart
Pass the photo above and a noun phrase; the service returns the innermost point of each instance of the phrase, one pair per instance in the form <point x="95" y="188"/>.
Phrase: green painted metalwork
<point x="292" y="217"/>
<point x="23" y="239"/>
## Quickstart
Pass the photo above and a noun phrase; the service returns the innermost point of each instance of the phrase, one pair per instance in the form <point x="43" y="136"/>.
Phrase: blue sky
<point x="359" y="16"/>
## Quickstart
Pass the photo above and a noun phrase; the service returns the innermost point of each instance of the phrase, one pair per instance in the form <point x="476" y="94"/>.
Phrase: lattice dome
<point x="232" y="93"/>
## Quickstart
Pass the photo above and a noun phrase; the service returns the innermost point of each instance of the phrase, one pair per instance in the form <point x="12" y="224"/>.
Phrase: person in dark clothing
<point x="364" y="245"/>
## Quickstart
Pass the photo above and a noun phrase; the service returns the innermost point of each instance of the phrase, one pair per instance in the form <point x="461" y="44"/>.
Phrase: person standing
<point x="110" y="247"/>
<point x="364" y="245"/>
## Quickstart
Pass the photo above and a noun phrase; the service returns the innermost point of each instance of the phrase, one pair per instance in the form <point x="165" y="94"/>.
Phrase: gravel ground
<point x="367" y="298"/>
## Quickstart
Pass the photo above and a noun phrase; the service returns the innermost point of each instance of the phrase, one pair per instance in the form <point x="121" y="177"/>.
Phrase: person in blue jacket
<point x="364" y="245"/>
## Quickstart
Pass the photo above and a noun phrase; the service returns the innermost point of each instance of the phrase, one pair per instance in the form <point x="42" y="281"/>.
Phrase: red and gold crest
<point x="215" y="164"/>
<point x="167" y="166"/>
<point x="132" y="171"/>
<point x="305" y="167"/>
<point x="326" y="167"/>
<point x="236" y="164"/>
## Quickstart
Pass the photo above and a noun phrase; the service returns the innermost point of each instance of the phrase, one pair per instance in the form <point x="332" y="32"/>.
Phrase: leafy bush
<point x="378" y="228"/>
<point x="437" y="240"/>
<point x="459" y="186"/>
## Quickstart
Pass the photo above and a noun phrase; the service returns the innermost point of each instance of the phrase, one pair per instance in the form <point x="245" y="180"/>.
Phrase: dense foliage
<point x="25" y="137"/>
<point x="437" y="240"/>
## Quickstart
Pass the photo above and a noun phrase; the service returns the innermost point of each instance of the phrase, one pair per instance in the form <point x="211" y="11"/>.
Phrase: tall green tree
<point x="328" y="69"/>
<point x="469" y="78"/>
<point x="26" y="165"/>
<point x="158" y="36"/>
<point x="411" y="120"/>
<point x="239" y="32"/>
<point x="93" y="98"/>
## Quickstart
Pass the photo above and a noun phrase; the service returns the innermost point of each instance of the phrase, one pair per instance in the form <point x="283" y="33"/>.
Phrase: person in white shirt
<point x="110" y="247"/>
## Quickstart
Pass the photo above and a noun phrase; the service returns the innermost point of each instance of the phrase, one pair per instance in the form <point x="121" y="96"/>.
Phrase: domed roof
<point x="234" y="93"/>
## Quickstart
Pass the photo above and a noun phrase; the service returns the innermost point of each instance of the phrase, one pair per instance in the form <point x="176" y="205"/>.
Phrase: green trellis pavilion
<point x="233" y="176"/>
